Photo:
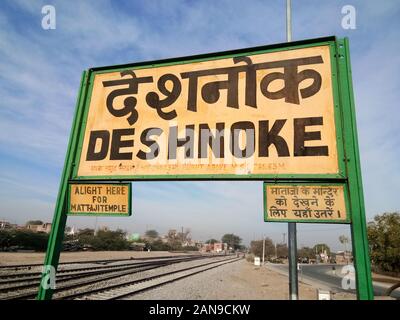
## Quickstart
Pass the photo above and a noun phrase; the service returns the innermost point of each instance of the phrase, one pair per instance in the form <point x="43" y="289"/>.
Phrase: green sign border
<point x="347" y="142"/>
<point x="362" y="262"/>
<point x="293" y="183"/>
<point x="117" y="214"/>
<point x="223" y="55"/>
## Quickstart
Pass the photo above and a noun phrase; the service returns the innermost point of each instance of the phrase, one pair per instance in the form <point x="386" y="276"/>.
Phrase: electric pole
<point x="263" y="257"/>
<point x="292" y="236"/>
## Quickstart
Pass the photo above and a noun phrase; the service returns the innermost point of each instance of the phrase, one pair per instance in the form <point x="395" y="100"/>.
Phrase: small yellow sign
<point x="305" y="203"/>
<point x="100" y="199"/>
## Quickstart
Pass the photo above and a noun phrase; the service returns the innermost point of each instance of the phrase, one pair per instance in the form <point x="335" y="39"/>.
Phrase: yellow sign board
<point x="305" y="203"/>
<point x="254" y="114"/>
<point x="99" y="199"/>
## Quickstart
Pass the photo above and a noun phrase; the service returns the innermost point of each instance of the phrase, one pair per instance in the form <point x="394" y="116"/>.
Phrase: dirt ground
<point x="273" y="285"/>
<point x="384" y="278"/>
<point x="239" y="280"/>
<point x="11" y="258"/>
<point x="267" y="284"/>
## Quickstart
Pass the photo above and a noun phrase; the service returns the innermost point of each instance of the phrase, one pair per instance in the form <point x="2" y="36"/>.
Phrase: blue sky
<point x="39" y="78"/>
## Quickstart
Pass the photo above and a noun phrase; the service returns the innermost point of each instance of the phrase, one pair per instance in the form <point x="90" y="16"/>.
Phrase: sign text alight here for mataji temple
<point x="100" y="199"/>
<point x="282" y="114"/>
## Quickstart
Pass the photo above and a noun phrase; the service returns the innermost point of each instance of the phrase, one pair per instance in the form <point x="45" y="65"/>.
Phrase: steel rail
<point x="132" y="282"/>
<point x="24" y="266"/>
<point x="8" y="277"/>
<point x="170" y="281"/>
<point x="22" y="283"/>
<point x="151" y="266"/>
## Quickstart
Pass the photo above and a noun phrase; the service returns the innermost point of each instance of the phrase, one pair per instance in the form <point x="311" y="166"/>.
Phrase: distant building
<point x="220" y="247"/>
<point x="217" y="247"/>
<point x="32" y="227"/>
<point x="189" y="243"/>
<point x="207" y="247"/>
<point x="6" y="225"/>
<point x="182" y="238"/>
<point x="343" y="257"/>
<point x="45" y="227"/>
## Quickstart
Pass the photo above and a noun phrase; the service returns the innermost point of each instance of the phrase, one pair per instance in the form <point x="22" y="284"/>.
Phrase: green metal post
<point x="352" y="158"/>
<point x="60" y="213"/>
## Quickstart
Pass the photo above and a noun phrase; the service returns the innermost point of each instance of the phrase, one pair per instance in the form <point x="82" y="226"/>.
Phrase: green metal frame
<point x="347" y="147"/>
<point x="60" y="216"/>
<point x="116" y="214"/>
<point x="296" y="183"/>
<point x="353" y="165"/>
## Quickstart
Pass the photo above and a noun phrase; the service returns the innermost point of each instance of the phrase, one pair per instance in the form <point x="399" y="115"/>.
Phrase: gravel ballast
<point x="235" y="281"/>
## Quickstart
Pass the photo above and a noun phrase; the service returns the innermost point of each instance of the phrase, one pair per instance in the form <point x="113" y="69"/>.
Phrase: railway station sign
<point x="96" y="199"/>
<point x="324" y="203"/>
<point x="247" y="115"/>
<point x="283" y="114"/>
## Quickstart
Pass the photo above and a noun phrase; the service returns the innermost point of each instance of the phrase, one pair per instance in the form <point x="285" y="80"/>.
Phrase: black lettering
<point x="251" y="79"/>
<point x="117" y="144"/>
<point x="248" y="150"/>
<point x="300" y="136"/>
<point x="154" y="101"/>
<point x="104" y="136"/>
<point x="292" y="79"/>
<point x="129" y="108"/>
<point x="268" y="137"/>
<point x="187" y="142"/>
<point x="215" y="142"/>
<point x="152" y="144"/>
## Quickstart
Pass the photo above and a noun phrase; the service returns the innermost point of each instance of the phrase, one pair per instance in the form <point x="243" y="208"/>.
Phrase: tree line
<point x="383" y="237"/>
<point x="280" y="250"/>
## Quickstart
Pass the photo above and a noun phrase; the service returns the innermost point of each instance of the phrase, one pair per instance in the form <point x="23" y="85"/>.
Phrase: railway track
<point x="26" y="288"/>
<point x="16" y="267"/>
<point x="130" y="288"/>
<point x="22" y="276"/>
